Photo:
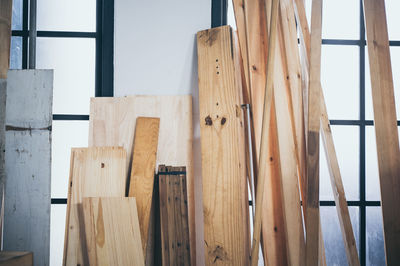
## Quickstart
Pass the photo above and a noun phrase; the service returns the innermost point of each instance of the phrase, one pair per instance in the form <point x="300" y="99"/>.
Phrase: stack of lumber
<point x="117" y="213"/>
<point x="264" y="65"/>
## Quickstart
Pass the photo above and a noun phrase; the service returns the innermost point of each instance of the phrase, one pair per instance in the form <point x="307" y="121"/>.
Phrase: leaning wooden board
<point x="387" y="141"/>
<point x="173" y="216"/>
<point x="112" y="231"/>
<point x="141" y="181"/>
<point x="5" y="36"/>
<point x="94" y="172"/>
<point x="225" y="200"/>
<point x="113" y="120"/>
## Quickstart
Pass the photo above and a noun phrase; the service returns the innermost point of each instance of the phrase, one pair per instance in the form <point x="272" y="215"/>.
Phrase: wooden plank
<point x="28" y="162"/>
<point x="314" y="115"/>
<point x="174" y="216"/>
<point x="142" y="174"/>
<point x="5" y="36"/>
<point x="112" y="231"/>
<point x="95" y="172"/>
<point x="16" y="258"/>
<point x="385" y="124"/>
<point x="226" y="228"/>
<point x="265" y="130"/>
<point x="113" y="121"/>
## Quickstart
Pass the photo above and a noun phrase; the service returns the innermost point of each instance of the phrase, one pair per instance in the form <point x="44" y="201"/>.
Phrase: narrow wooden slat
<point x="94" y="172"/>
<point x="5" y="36"/>
<point x="163" y="186"/>
<point x="226" y="228"/>
<point x="113" y="121"/>
<point x="265" y="131"/>
<point x="387" y="142"/>
<point x="112" y="231"/>
<point x="142" y="174"/>
<point x="314" y="115"/>
<point x="338" y="189"/>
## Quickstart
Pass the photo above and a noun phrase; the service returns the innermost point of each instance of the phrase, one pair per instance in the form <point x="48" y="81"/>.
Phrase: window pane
<point x="393" y="19"/>
<point x="348" y="26"/>
<point x="17" y="15"/>
<point x="57" y="231"/>
<point x="333" y="240"/>
<point x="340" y="80"/>
<point x="66" y="15"/>
<point x="395" y="58"/>
<point x="346" y="140"/>
<point x="66" y="134"/>
<point x="16" y="53"/>
<point x="73" y="61"/>
<point x="375" y="245"/>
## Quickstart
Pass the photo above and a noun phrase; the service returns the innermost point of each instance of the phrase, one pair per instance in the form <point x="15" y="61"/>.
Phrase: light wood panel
<point x="226" y="228"/>
<point x="113" y="120"/>
<point x="385" y="121"/>
<point x="112" y="231"/>
<point x="16" y="258"/>
<point x="314" y="115"/>
<point x="5" y="36"/>
<point x="94" y="172"/>
<point x="173" y="216"/>
<point x="142" y="174"/>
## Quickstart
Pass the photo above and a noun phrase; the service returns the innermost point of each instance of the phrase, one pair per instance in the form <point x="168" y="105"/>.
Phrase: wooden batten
<point x="112" y="231"/>
<point x="387" y="141"/>
<point x="5" y="36"/>
<point x="94" y="172"/>
<point x="141" y="182"/>
<point x="225" y="199"/>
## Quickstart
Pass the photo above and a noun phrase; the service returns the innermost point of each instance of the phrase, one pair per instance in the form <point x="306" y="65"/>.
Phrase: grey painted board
<point x="28" y="162"/>
<point x="3" y="87"/>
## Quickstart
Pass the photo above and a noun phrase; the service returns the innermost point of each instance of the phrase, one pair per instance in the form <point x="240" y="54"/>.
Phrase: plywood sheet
<point x="113" y="120"/>
<point x="142" y="174"/>
<point x="94" y="172"/>
<point x="112" y="231"/>
<point x="226" y="228"/>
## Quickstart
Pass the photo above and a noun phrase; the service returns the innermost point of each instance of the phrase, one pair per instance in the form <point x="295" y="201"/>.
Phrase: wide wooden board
<point x="112" y="231"/>
<point x="387" y="141"/>
<point x="113" y="120"/>
<point x="174" y="216"/>
<point x="143" y="169"/>
<point x="94" y="172"/>
<point x="225" y="199"/>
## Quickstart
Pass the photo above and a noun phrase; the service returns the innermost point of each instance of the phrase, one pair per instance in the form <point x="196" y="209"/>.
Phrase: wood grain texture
<point x="386" y="132"/>
<point x="113" y="120"/>
<point x="112" y="231"/>
<point x="5" y="36"/>
<point x="174" y="216"/>
<point x="143" y="169"/>
<point x="16" y="258"/>
<point x="314" y="115"/>
<point x="264" y="149"/>
<point x="226" y="228"/>
<point x="94" y="172"/>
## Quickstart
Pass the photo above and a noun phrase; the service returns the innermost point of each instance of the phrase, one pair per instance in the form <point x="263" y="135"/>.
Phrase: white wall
<point x="155" y="53"/>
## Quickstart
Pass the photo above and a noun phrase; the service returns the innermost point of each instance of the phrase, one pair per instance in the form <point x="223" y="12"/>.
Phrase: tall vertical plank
<point x="94" y="172"/>
<point x="28" y="162"/>
<point x="385" y="124"/>
<point x="222" y="145"/>
<point x="173" y="214"/>
<point x="314" y="116"/>
<point x="142" y="174"/>
<point x="113" y="120"/>
<point x="112" y="231"/>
